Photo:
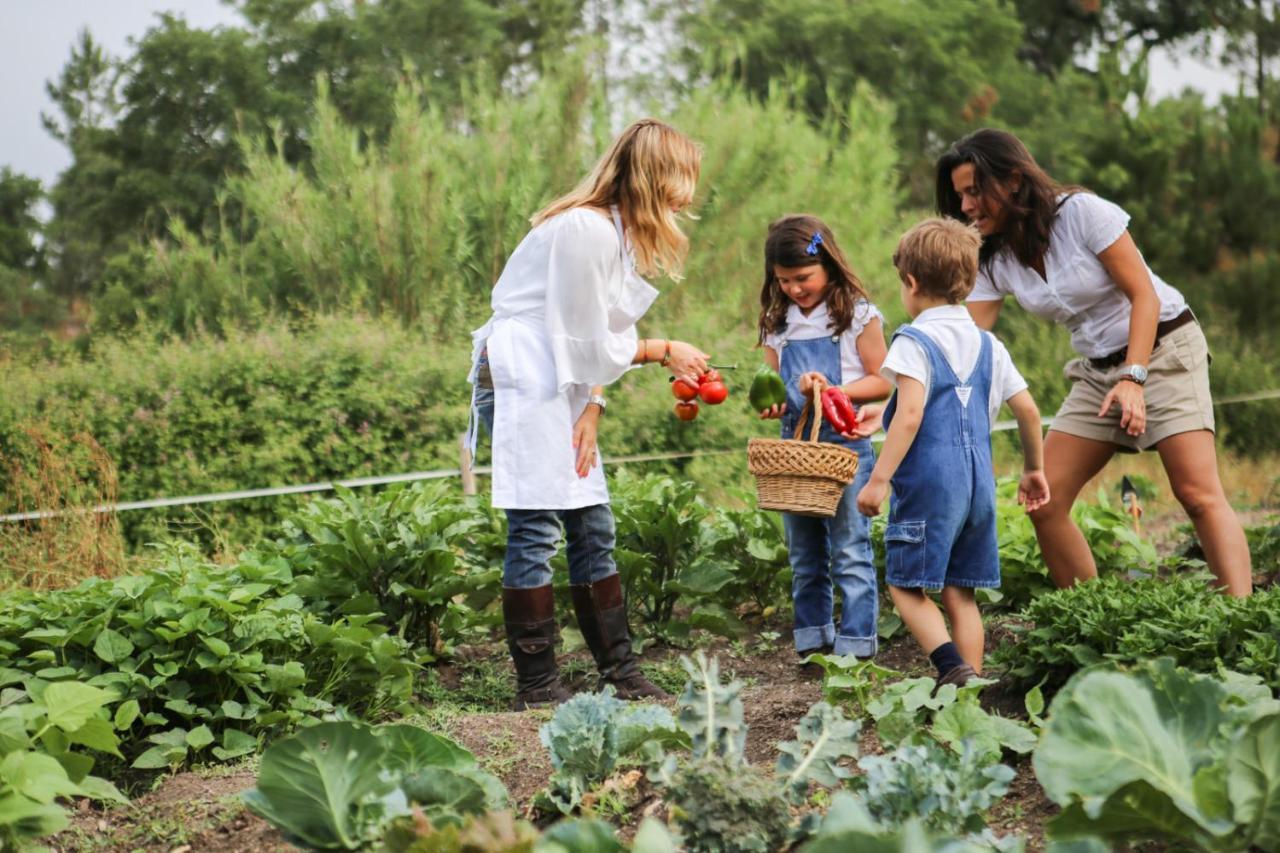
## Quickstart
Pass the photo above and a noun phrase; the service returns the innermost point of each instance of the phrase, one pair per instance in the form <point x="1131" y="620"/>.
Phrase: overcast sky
<point x="36" y="38"/>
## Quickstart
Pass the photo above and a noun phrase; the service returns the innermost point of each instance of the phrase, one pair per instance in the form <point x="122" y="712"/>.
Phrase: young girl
<point x="819" y="328"/>
<point x="564" y="327"/>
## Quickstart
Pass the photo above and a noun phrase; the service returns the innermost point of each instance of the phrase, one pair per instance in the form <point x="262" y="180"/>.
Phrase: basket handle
<point x="810" y="405"/>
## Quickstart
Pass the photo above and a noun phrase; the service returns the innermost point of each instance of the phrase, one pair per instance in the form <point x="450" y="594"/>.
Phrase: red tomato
<point x="713" y="393"/>
<point x="686" y="410"/>
<point x="683" y="390"/>
<point x="711" y="375"/>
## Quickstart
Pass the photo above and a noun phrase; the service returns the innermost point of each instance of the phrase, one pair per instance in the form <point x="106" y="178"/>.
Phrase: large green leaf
<point x="1123" y="751"/>
<point x="326" y="786"/>
<point x="71" y="705"/>
<point x="410" y="749"/>
<point x="1253" y="782"/>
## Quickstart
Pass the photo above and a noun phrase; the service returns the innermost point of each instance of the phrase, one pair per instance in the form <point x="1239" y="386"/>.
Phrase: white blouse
<point x="818" y="325"/>
<point x="1077" y="291"/>
<point x="572" y="277"/>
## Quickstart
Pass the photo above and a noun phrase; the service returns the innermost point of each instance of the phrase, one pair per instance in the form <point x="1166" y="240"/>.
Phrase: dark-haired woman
<point x="1142" y="378"/>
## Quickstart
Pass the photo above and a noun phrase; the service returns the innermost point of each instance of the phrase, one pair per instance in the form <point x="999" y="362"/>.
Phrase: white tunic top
<point x="1077" y="291"/>
<point x="818" y="325"/>
<point x="960" y="339"/>
<point x="564" y="315"/>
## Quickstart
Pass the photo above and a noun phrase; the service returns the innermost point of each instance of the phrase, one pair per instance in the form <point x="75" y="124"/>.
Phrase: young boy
<point x="951" y="380"/>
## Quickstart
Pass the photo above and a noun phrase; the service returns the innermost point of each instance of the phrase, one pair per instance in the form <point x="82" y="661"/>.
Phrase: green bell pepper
<point x="767" y="389"/>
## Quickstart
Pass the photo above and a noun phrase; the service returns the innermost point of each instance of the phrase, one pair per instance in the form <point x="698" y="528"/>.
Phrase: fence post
<point x="464" y="466"/>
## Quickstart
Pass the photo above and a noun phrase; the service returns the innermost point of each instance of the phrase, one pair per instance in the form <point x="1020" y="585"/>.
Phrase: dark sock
<point x="946" y="658"/>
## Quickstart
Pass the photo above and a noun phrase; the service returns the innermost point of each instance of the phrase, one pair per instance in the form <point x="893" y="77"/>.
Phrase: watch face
<point x="1138" y="372"/>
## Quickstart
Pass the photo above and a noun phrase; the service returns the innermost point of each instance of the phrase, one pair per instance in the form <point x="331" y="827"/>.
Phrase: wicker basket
<point x="798" y="476"/>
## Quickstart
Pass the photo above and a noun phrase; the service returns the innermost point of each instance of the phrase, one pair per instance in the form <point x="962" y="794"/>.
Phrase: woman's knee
<point x="1199" y="499"/>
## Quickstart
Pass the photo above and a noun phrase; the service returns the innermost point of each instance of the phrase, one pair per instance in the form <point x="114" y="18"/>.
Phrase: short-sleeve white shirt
<point x="817" y="324"/>
<point x="960" y="339"/>
<point x="1077" y="290"/>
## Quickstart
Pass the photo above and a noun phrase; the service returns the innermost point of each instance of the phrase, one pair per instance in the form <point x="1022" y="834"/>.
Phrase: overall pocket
<point x="904" y="547"/>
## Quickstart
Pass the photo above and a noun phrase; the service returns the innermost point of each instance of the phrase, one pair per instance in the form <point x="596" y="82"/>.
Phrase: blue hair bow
<point x="814" y="243"/>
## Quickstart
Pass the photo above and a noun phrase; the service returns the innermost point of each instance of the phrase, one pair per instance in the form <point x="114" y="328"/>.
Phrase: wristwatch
<point x="599" y="401"/>
<point x="1133" y="373"/>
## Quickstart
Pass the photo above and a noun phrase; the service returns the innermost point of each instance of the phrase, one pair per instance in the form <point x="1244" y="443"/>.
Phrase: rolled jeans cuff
<point x="810" y="639"/>
<point x="863" y="647"/>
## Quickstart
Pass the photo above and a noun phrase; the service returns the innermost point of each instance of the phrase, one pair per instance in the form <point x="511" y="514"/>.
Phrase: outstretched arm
<point x="901" y="435"/>
<point x="1033" y="488"/>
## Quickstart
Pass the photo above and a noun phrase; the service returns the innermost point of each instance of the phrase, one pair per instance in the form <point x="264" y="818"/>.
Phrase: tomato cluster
<point x="710" y="388"/>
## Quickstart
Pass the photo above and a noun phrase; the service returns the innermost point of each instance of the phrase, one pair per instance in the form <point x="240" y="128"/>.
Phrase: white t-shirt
<point x="818" y="325"/>
<point x="1077" y="291"/>
<point x="960" y="339"/>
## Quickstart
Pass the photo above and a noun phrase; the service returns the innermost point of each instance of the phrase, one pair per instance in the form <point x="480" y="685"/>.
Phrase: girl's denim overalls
<point x="829" y="550"/>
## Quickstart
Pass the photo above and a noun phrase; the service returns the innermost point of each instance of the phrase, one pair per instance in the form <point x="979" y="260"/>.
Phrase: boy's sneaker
<point x="957" y="675"/>
<point x="811" y="669"/>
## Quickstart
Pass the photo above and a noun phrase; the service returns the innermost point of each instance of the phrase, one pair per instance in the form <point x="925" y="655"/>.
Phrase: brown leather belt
<point x="1163" y="328"/>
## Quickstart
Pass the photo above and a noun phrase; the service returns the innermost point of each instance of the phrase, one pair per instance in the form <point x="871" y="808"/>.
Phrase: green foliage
<point x="849" y="825"/>
<point x="203" y="659"/>
<point x="406" y="553"/>
<point x="718" y="805"/>
<point x="948" y="792"/>
<point x="591" y="733"/>
<point x="1160" y="753"/>
<point x="339" y="785"/>
<point x="823" y="739"/>
<point x="847" y="679"/>
<point x="41" y="728"/>
<point x="1125" y="621"/>
<point x="334" y="399"/>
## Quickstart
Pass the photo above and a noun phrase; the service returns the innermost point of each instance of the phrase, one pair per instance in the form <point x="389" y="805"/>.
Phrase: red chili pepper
<point x="838" y="410"/>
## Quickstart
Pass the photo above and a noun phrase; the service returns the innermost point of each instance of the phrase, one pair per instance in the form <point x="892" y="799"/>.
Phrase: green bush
<point x="1114" y="619"/>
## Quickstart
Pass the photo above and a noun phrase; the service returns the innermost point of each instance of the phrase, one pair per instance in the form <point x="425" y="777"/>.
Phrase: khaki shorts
<point x="1176" y="393"/>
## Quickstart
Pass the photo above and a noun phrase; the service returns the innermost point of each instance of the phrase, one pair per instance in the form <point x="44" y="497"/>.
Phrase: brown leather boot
<point x="529" y="616"/>
<point x="602" y="617"/>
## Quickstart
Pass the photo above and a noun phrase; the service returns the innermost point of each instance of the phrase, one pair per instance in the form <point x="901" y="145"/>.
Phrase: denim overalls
<point x="942" y="519"/>
<point x="836" y="549"/>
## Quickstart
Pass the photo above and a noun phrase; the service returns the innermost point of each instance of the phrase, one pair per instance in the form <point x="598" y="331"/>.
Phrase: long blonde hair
<point x="649" y="172"/>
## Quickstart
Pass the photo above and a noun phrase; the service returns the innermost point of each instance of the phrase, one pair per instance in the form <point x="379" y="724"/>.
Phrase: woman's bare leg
<point x="1069" y="462"/>
<point x="1191" y="461"/>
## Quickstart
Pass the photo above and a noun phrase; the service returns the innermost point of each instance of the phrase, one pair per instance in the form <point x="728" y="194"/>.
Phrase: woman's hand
<point x="811" y="382"/>
<point x="584" y="440"/>
<point x="1133" y="406"/>
<point x="870" y="419"/>
<point x="687" y="362"/>
<point x="777" y="410"/>
<point x="1033" y="490"/>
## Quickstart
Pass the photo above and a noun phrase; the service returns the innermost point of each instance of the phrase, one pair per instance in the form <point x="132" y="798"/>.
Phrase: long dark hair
<point x="998" y="157"/>
<point x="789" y="244"/>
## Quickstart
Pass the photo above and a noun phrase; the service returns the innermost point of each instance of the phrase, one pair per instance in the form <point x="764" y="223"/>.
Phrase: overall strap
<point x="934" y="353"/>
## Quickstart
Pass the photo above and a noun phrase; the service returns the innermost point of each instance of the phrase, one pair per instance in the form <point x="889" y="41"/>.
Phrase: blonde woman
<point x="564" y="326"/>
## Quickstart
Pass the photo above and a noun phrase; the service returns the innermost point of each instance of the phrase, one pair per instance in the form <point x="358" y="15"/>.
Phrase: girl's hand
<point x="811" y="380"/>
<point x="872" y="497"/>
<point x="1033" y="489"/>
<point x="777" y="410"/>
<point x="870" y="417"/>
<point x="584" y="440"/>
<point x="1133" y="406"/>
<point x="687" y="362"/>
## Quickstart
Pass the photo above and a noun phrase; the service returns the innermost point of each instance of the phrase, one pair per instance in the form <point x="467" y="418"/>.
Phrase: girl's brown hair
<point x="999" y="158"/>
<point x="650" y="171"/>
<point x="800" y="240"/>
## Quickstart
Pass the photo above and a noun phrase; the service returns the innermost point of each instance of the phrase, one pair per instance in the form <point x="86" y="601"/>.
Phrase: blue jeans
<point x="837" y="549"/>
<point x="533" y="535"/>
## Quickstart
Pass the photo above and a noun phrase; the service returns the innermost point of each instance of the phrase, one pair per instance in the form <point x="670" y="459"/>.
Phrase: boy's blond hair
<point x="942" y="256"/>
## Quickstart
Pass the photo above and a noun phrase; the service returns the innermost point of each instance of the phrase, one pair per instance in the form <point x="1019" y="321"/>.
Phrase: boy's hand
<point x="869" y="420"/>
<point x="777" y="410"/>
<point x="808" y="380"/>
<point x="1033" y="490"/>
<point x="872" y="496"/>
